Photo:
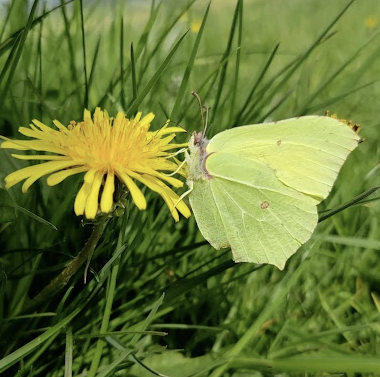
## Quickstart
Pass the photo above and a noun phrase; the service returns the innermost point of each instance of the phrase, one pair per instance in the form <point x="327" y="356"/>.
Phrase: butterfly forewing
<point x="306" y="153"/>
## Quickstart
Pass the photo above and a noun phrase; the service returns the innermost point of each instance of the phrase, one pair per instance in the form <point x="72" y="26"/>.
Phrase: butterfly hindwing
<point x="207" y="215"/>
<point x="263" y="220"/>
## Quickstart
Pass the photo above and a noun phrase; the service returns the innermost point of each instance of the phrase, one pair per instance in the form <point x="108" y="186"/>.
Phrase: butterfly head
<point x="199" y="140"/>
<point x="197" y="153"/>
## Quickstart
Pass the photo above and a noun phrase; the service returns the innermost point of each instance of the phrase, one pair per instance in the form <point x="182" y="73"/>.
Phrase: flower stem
<point x="63" y="278"/>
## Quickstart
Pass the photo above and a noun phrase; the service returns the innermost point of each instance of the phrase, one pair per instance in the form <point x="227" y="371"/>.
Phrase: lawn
<point x="157" y="299"/>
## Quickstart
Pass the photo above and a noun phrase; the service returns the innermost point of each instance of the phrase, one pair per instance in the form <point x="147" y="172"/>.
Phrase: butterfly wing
<point x="306" y="153"/>
<point x="207" y="214"/>
<point x="246" y="207"/>
<point x="261" y="184"/>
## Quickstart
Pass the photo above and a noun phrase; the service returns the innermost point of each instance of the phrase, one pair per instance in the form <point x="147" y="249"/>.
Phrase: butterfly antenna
<point x="206" y="123"/>
<point x="203" y="109"/>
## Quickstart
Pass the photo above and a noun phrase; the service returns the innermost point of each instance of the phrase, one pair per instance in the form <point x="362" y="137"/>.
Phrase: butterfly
<point x="256" y="188"/>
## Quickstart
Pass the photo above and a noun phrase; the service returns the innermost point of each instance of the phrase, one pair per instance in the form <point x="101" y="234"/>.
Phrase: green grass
<point x="158" y="296"/>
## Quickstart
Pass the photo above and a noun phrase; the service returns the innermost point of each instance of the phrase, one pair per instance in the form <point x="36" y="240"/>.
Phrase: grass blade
<point x="134" y="106"/>
<point x="25" y="350"/>
<point x="185" y="79"/>
<point x="86" y="84"/>
<point x="17" y="54"/>
<point x="357" y="200"/>
<point x="227" y="52"/>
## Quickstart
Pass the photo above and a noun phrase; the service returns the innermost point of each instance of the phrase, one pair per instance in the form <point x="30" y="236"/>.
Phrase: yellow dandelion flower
<point x="195" y="26"/>
<point x="106" y="149"/>
<point x="371" y="22"/>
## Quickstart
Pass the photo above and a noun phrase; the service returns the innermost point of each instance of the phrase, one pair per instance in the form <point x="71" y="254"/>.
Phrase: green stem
<point x="110" y="295"/>
<point x="63" y="278"/>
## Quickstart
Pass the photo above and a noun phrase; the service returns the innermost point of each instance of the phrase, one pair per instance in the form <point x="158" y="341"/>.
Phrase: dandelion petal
<point x="108" y="190"/>
<point x="83" y="194"/>
<point x="137" y="196"/>
<point x="56" y="178"/>
<point x="92" y="203"/>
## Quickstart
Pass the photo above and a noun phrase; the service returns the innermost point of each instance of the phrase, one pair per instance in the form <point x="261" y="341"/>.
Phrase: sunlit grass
<point x="149" y="275"/>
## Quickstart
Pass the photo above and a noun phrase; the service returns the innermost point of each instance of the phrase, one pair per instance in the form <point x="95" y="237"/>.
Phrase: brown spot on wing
<point x="264" y="205"/>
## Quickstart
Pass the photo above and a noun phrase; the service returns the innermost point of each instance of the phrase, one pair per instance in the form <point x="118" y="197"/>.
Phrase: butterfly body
<point x="256" y="188"/>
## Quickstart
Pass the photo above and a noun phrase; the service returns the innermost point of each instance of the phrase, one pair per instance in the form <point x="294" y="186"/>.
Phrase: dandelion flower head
<point x="106" y="149"/>
<point x="371" y="22"/>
